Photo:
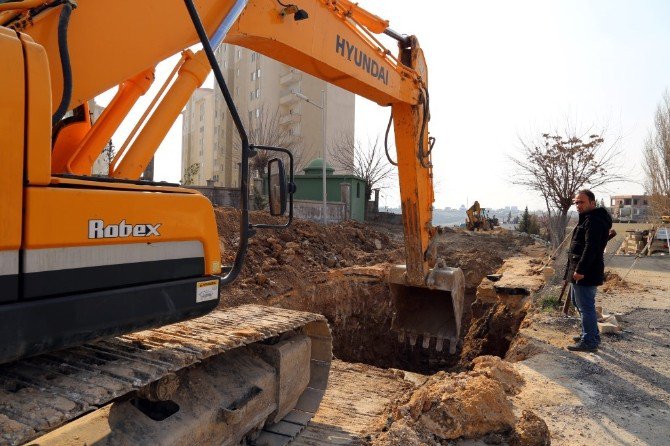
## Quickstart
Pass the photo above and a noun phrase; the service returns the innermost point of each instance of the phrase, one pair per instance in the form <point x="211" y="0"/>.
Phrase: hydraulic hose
<point x="66" y="68"/>
<point x="245" y="229"/>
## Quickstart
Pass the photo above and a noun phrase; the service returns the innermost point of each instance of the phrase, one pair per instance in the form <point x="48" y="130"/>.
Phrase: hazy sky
<point x="503" y="70"/>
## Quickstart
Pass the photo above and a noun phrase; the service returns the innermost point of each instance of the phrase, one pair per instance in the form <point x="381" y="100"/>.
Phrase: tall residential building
<point x="198" y="143"/>
<point x="263" y="88"/>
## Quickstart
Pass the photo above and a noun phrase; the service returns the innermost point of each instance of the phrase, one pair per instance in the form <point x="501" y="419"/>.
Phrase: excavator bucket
<point x="432" y="311"/>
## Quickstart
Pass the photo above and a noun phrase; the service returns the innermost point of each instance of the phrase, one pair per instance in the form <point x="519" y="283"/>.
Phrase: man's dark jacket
<point x="589" y="239"/>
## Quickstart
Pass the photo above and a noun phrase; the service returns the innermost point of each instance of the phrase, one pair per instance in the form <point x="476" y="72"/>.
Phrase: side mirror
<point x="277" y="187"/>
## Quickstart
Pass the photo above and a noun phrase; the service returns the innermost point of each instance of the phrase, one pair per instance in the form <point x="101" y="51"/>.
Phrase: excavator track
<point x="90" y="394"/>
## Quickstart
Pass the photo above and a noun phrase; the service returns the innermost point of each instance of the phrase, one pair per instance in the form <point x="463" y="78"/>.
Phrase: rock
<point x="486" y="292"/>
<point x="292" y="245"/>
<point x="260" y="278"/>
<point x="378" y="244"/>
<point x="502" y="371"/>
<point x="458" y="406"/>
<point x="607" y="328"/>
<point x="288" y="255"/>
<point x="530" y="430"/>
<point x="331" y="262"/>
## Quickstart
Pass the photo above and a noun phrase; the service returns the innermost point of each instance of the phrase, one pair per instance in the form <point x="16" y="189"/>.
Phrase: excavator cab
<point x="431" y="311"/>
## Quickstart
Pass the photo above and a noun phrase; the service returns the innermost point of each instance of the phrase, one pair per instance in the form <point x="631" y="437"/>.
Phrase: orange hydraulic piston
<point x="191" y="76"/>
<point x="83" y="158"/>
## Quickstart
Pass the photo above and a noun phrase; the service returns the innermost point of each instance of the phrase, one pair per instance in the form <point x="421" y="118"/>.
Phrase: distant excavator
<point x="478" y="219"/>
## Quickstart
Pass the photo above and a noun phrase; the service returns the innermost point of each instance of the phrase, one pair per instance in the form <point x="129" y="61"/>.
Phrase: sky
<point x="501" y="71"/>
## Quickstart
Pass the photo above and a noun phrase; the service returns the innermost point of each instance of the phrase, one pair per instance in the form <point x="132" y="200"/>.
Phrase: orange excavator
<point x="136" y="265"/>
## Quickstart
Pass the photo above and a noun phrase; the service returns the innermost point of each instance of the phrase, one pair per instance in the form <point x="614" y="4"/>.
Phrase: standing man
<point x="586" y="266"/>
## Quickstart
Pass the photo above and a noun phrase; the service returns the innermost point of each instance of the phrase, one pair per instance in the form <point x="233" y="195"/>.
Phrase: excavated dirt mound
<point x="449" y="406"/>
<point x="340" y="271"/>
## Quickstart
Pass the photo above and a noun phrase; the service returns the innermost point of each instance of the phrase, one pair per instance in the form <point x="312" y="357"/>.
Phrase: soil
<point x="340" y="271"/>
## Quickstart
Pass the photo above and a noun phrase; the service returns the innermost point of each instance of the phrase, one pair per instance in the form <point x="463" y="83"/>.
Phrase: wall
<point x="310" y="188"/>
<point x="313" y="211"/>
<point x="219" y="196"/>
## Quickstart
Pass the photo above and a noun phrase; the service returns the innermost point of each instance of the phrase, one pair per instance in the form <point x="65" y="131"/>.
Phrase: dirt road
<point x="620" y="395"/>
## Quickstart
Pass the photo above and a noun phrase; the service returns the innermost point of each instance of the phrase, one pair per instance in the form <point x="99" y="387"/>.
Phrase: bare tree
<point x="656" y="162"/>
<point x="368" y="161"/>
<point x="266" y="130"/>
<point x="108" y="154"/>
<point x="559" y="164"/>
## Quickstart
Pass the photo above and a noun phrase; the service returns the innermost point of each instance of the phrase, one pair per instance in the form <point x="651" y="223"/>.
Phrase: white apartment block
<point x="197" y="148"/>
<point x="261" y="89"/>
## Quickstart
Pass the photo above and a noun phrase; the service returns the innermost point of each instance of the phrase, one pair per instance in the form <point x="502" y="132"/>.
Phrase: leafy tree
<point x="190" y="173"/>
<point x="656" y="162"/>
<point x="524" y="223"/>
<point x="258" y="199"/>
<point x="559" y="164"/>
<point x="528" y="223"/>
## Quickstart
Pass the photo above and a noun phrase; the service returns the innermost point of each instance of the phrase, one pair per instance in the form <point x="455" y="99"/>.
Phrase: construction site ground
<point x="381" y="392"/>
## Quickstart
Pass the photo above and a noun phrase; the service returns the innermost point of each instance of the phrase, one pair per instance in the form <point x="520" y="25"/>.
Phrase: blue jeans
<point x="584" y="299"/>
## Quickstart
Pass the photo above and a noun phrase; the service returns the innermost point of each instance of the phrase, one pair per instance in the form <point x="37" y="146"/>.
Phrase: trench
<point x="358" y="305"/>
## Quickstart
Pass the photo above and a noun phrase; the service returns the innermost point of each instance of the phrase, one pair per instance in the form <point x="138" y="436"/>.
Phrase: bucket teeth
<point x="412" y="339"/>
<point x="439" y="343"/>
<point x="452" y="345"/>
<point x="426" y="341"/>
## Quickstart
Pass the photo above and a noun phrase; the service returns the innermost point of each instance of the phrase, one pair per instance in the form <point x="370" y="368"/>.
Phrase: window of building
<point x="258" y="73"/>
<point x="251" y="95"/>
<point x="358" y="190"/>
<point x="253" y="56"/>
<point x="251" y="115"/>
<point x="258" y="93"/>
<point x="253" y="75"/>
<point x="635" y="201"/>
<point x="237" y="91"/>
<point x="225" y="64"/>
<point x="239" y="54"/>
<point x="627" y="201"/>
<point x="258" y="112"/>
<point x="645" y="202"/>
<point x="237" y="72"/>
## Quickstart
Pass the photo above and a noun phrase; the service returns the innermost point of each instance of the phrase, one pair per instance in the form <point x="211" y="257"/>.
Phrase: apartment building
<point x="630" y="208"/>
<point x="198" y="138"/>
<point x="264" y="93"/>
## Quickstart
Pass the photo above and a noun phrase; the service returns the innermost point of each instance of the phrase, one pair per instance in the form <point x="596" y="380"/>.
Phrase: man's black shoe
<point x="581" y="347"/>
<point x="577" y="338"/>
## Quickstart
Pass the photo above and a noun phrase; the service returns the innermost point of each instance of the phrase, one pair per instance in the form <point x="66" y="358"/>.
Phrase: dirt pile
<point x="614" y="282"/>
<point x="279" y="261"/>
<point x="464" y="405"/>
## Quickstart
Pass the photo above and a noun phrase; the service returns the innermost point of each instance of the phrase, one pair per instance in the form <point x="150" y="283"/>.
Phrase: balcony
<point x="289" y="119"/>
<point x="290" y="78"/>
<point x="289" y="98"/>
